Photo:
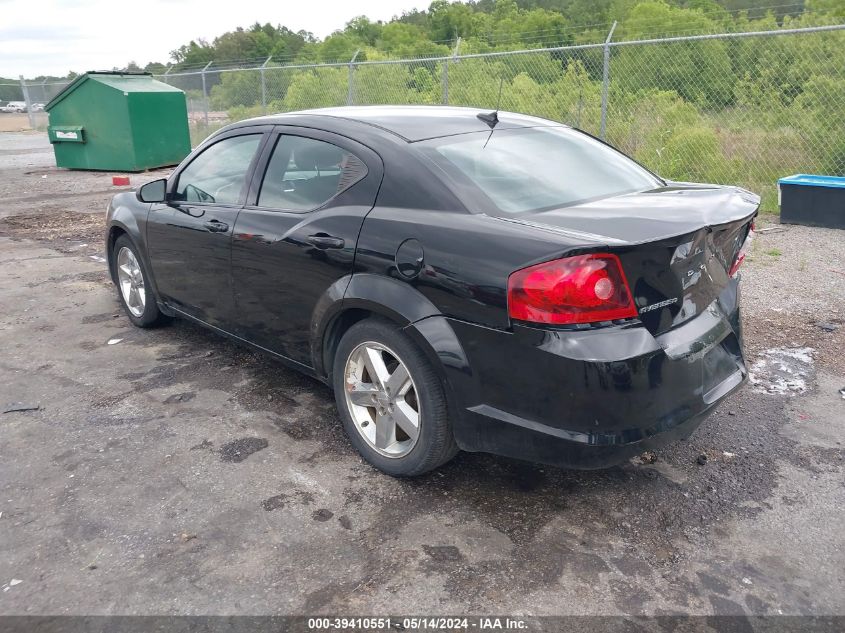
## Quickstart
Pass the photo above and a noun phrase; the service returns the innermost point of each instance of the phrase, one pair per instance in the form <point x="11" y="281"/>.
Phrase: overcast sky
<point x="52" y="37"/>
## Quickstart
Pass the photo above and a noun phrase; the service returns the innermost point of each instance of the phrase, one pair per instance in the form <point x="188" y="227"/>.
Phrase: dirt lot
<point x="15" y="122"/>
<point x="173" y="472"/>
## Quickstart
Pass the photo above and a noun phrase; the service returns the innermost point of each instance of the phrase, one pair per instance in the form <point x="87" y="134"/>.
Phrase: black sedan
<point x="462" y="279"/>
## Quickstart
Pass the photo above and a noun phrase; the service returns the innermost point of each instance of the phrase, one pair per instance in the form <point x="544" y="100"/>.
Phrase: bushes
<point x="817" y="112"/>
<point x="317" y="88"/>
<point x="691" y="153"/>
<point x="239" y="113"/>
<point x="744" y="111"/>
<point x="641" y="123"/>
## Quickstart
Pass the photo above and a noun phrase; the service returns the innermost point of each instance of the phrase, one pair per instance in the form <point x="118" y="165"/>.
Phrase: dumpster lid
<point x="812" y="180"/>
<point x="125" y="81"/>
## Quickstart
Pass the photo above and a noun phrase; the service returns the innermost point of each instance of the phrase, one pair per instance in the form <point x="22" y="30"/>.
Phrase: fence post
<point x="350" y="87"/>
<point x="264" y="86"/>
<point x="605" y="79"/>
<point x="29" y="112"/>
<point x="205" y="94"/>
<point x="167" y="72"/>
<point x="444" y="81"/>
<point x="445" y="74"/>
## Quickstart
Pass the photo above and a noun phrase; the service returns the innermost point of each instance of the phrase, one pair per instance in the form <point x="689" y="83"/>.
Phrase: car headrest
<point x="317" y="156"/>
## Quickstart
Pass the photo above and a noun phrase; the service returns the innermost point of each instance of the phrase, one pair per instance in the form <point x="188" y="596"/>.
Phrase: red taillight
<point x="580" y="289"/>
<point x="743" y="251"/>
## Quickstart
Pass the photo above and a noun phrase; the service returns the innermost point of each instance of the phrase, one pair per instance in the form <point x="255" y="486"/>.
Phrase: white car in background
<point x="14" y="106"/>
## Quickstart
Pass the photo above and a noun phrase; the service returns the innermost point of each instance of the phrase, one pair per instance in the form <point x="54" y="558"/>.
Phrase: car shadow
<point x="643" y="502"/>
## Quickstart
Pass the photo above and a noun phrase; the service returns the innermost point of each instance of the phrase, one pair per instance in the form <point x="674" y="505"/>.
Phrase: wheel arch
<point x="124" y="221"/>
<point x="398" y="302"/>
<point x="114" y="233"/>
<point x="365" y="295"/>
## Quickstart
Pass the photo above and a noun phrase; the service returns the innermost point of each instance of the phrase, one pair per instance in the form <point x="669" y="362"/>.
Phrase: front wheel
<point x="133" y="287"/>
<point x="391" y="401"/>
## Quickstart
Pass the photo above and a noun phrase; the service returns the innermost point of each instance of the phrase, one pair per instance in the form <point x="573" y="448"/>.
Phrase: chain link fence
<point x="743" y="108"/>
<point x="22" y="104"/>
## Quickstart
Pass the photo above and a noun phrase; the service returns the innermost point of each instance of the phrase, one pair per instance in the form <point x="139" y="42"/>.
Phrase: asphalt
<point x="170" y="472"/>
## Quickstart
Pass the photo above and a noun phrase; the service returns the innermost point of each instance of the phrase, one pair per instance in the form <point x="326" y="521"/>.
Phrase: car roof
<point x="415" y="123"/>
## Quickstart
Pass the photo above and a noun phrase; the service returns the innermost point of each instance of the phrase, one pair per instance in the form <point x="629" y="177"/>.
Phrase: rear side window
<point x="218" y="174"/>
<point x="304" y="173"/>
<point x="532" y="169"/>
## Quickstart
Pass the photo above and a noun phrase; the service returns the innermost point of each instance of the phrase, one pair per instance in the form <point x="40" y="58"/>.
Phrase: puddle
<point x="783" y="371"/>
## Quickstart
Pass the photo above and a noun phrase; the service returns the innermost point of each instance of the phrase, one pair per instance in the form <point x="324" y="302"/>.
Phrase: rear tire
<point x="133" y="288"/>
<point x="391" y="401"/>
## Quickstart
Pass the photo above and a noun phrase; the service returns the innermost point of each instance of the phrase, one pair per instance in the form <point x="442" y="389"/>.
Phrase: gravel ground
<point x="795" y="283"/>
<point x="174" y="472"/>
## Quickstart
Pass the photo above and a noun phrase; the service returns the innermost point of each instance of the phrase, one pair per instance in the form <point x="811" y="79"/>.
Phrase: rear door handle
<point x="321" y="240"/>
<point x="216" y="226"/>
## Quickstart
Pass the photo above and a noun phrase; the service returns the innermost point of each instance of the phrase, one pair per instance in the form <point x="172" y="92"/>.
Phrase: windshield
<point x="531" y="169"/>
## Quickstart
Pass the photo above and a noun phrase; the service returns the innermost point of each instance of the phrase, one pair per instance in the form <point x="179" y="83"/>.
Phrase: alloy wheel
<point x="382" y="399"/>
<point x="131" y="281"/>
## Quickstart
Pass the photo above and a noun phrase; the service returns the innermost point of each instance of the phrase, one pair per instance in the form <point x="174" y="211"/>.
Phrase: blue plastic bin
<point x="812" y="200"/>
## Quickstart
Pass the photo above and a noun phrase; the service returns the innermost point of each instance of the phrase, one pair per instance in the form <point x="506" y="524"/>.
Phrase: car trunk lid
<point x="677" y="244"/>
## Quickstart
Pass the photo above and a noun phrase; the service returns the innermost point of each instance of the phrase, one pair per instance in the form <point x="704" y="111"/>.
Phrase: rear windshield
<point x="532" y="169"/>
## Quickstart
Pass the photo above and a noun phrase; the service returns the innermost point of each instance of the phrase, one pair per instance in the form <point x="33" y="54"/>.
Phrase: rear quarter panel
<point x="467" y="258"/>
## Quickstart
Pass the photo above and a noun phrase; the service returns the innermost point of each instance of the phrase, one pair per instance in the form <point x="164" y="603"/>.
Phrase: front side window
<point x="532" y="169"/>
<point x="305" y="173"/>
<point x="218" y="174"/>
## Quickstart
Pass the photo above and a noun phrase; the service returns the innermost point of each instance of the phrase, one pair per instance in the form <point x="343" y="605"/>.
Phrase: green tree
<point x="338" y="47"/>
<point x="699" y="71"/>
<point x="194" y="53"/>
<point x="363" y="30"/>
<point x="449" y="20"/>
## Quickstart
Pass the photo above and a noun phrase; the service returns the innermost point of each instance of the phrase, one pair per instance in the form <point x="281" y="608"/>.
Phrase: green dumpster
<point x="116" y="121"/>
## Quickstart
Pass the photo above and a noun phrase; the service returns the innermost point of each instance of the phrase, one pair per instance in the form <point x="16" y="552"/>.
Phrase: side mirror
<point x="155" y="191"/>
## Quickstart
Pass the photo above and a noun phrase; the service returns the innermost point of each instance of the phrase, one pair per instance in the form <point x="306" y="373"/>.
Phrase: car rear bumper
<point x="593" y="398"/>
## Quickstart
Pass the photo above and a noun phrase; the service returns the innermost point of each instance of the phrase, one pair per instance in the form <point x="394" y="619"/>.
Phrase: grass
<point x="200" y="131"/>
<point x="774" y="252"/>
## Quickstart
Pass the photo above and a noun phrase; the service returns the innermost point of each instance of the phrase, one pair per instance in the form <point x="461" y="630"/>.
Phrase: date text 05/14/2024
<point x="418" y="623"/>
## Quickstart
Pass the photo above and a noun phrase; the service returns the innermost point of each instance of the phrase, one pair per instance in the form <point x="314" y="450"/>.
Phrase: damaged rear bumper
<point x="594" y="398"/>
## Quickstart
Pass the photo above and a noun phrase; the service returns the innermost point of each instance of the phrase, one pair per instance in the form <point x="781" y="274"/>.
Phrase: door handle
<point x="216" y="226"/>
<point x="321" y="240"/>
